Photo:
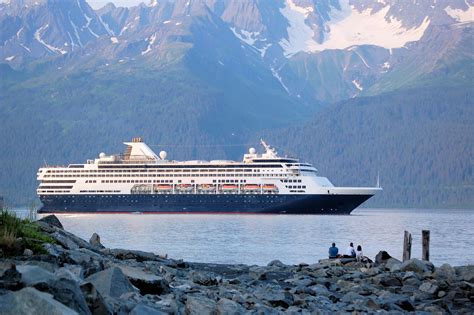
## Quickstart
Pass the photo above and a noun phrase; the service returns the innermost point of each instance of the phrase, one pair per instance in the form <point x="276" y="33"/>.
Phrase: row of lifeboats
<point x="212" y="187"/>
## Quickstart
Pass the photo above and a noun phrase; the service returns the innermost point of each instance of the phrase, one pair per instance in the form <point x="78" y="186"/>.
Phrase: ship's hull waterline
<point x="203" y="203"/>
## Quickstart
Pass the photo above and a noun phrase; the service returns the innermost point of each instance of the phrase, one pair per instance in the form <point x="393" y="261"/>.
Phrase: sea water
<point x="292" y="239"/>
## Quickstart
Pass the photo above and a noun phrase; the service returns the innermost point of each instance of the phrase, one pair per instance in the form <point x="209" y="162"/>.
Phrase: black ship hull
<point x="203" y="203"/>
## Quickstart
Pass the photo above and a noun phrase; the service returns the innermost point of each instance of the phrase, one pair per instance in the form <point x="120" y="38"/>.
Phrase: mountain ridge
<point x="217" y="72"/>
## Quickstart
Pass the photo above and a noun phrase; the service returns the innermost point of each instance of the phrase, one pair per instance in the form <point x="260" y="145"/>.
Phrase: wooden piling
<point x="425" y="251"/>
<point x="406" y="246"/>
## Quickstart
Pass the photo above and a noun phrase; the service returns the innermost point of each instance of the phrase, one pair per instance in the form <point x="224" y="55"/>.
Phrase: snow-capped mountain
<point x="187" y="72"/>
<point x="322" y="50"/>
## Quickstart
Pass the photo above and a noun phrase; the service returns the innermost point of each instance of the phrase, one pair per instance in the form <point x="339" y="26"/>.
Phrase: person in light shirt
<point x="350" y="252"/>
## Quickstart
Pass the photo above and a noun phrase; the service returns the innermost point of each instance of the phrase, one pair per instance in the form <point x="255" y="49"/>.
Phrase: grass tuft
<point x="13" y="228"/>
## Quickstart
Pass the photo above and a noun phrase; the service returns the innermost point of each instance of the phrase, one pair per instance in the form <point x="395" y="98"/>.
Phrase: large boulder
<point x="143" y="309"/>
<point x="68" y="292"/>
<point x="393" y="264"/>
<point x="416" y="265"/>
<point x="147" y="283"/>
<point x="32" y="301"/>
<point x="276" y="263"/>
<point x="465" y="273"/>
<point x="274" y="296"/>
<point x="95" y="241"/>
<point x="94" y="299"/>
<point x="52" y="220"/>
<point x="200" y="305"/>
<point x="229" y="307"/>
<point x="382" y="257"/>
<point x="11" y="279"/>
<point x="445" y="272"/>
<point x="124" y="254"/>
<point x="111" y="282"/>
<point x="204" y="278"/>
<point x="34" y="275"/>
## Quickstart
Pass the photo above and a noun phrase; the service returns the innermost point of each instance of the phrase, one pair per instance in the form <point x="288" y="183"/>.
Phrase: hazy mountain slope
<point x="75" y="81"/>
<point x="420" y="141"/>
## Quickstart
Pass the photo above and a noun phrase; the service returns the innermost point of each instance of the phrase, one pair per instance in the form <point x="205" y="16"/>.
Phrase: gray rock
<point x="276" y="263"/>
<point x="33" y="275"/>
<point x="31" y="301"/>
<point x="445" y="272"/>
<point x="257" y="273"/>
<point x="428" y="287"/>
<point x="203" y="278"/>
<point x="229" y="307"/>
<point x="275" y="296"/>
<point x="199" y="305"/>
<point x="64" y="241"/>
<point x="95" y="241"/>
<point x="11" y="279"/>
<point x="143" y="309"/>
<point x="67" y="292"/>
<point x="352" y="297"/>
<point x="382" y="257"/>
<point x="466" y="273"/>
<point x="94" y="299"/>
<point x="72" y="272"/>
<point x="146" y="282"/>
<point x="52" y="220"/>
<point x="27" y="252"/>
<point x="53" y="249"/>
<point x="387" y="280"/>
<point x="138" y="255"/>
<point x="391" y="262"/>
<point x="414" y="265"/>
<point x="111" y="282"/>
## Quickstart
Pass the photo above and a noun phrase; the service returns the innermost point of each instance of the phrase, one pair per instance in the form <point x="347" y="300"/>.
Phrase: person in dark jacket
<point x="333" y="251"/>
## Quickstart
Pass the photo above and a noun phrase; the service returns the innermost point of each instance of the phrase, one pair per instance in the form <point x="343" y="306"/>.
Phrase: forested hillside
<point x="420" y="141"/>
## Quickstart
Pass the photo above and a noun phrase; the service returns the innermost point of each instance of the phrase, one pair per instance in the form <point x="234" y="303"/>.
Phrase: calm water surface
<point x="258" y="239"/>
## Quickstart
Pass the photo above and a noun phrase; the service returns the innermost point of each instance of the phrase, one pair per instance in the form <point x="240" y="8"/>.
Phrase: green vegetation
<point x="420" y="141"/>
<point x="17" y="234"/>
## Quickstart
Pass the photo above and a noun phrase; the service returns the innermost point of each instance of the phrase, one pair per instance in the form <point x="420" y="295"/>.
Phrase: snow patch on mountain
<point x="351" y="27"/>
<point x="347" y="27"/>
<point x="10" y="58"/>
<point x="385" y="67"/>
<point x="150" y="44"/>
<point x="300" y="35"/>
<point x="247" y="37"/>
<point x="42" y="42"/>
<point x="278" y="77"/>
<point x="460" y="15"/>
<point x="357" y="85"/>
<point x="114" y="40"/>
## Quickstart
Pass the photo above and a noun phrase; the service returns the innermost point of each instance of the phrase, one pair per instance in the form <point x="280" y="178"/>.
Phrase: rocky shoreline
<point x="76" y="276"/>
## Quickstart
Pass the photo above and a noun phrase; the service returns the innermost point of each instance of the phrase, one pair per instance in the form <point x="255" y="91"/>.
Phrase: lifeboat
<point x="229" y="187"/>
<point x="269" y="187"/>
<point x="163" y="187"/>
<point x="185" y="187"/>
<point x="207" y="187"/>
<point x="251" y="187"/>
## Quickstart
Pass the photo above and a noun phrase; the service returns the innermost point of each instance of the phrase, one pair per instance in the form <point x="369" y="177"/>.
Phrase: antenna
<point x="45" y="164"/>
<point x="378" y="179"/>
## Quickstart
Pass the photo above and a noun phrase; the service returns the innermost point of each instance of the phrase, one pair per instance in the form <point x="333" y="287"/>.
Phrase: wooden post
<point x="406" y="246"/>
<point x="425" y="251"/>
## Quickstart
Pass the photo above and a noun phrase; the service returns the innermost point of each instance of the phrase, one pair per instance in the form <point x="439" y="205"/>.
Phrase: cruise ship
<point x="141" y="181"/>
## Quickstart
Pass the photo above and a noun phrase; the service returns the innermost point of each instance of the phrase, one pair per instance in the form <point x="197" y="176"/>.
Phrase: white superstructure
<point x="140" y="171"/>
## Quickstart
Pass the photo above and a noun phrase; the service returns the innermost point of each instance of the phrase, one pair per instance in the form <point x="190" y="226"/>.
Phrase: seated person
<point x="350" y="252"/>
<point x="333" y="251"/>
